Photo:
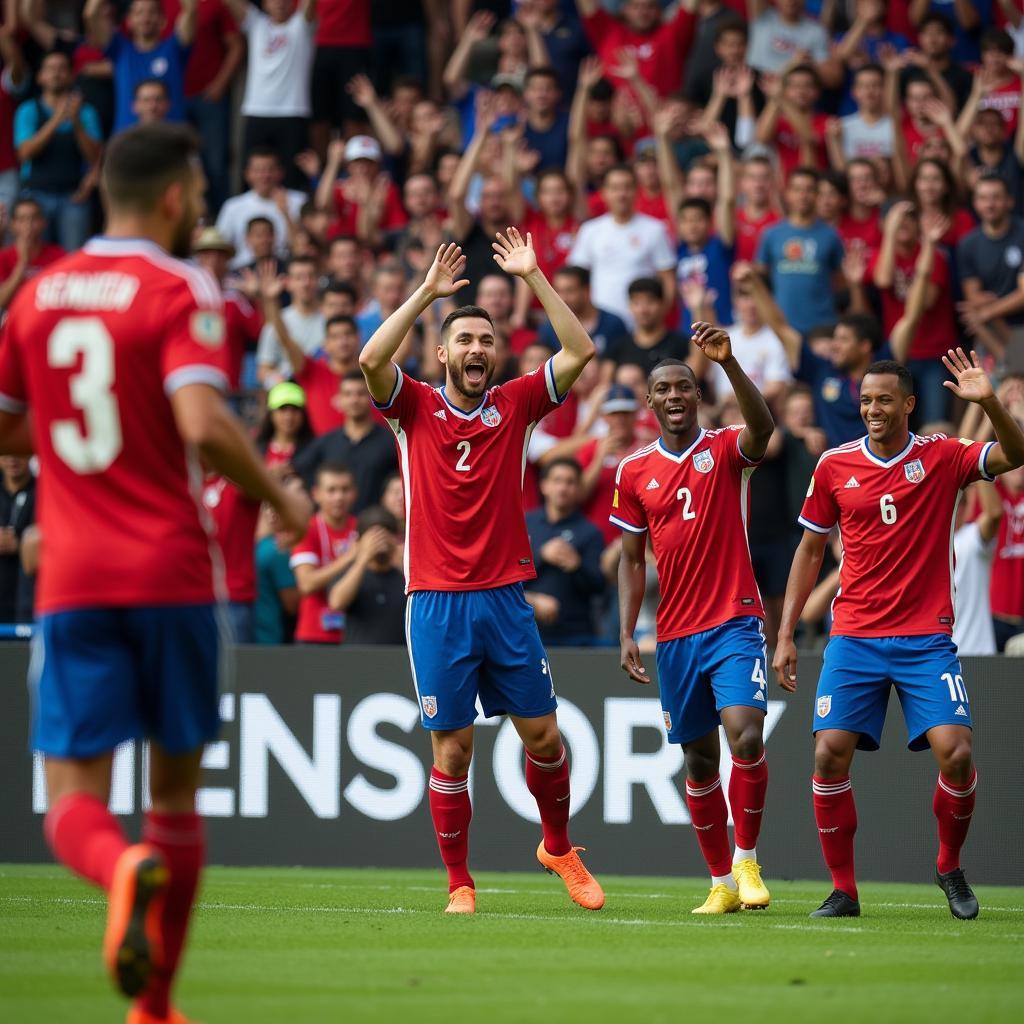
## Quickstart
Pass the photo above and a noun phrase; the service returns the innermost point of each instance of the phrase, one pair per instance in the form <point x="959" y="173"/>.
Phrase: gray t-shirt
<point x="307" y="330"/>
<point x="868" y="141"/>
<point x="773" y="41"/>
<point x="995" y="262"/>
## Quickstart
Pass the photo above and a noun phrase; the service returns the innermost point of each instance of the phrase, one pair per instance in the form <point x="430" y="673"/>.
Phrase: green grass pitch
<point x="304" y="946"/>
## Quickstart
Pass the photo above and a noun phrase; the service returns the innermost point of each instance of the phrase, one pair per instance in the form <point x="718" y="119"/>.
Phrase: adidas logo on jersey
<point x="653" y="485"/>
<point x="440" y="415"/>
<point x="852" y="482"/>
<point x="961" y="711"/>
<point x="759" y="695"/>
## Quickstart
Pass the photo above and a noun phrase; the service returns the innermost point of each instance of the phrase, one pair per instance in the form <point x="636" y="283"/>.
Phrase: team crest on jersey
<point x="914" y="471"/>
<point x="831" y="389"/>
<point x="704" y="461"/>
<point x="490" y="417"/>
<point x="429" y="706"/>
<point x="824" y="706"/>
<point x="668" y="721"/>
<point x="208" y="328"/>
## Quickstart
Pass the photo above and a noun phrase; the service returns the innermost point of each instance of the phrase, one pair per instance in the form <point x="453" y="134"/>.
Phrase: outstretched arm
<point x="375" y="360"/>
<point x="516" y="256"/>
<point x="902" y="336"/>
<point x="767" y="308"/>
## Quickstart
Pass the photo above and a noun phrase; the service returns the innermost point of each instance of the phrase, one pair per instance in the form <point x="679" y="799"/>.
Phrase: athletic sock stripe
<point x="547" y="766"/>
<point x="747" y="765"/>
<point x="844" y="788"/>
<point x="704" y="790"/>
<point x="960" y="793"/>
<point x="449" y="787"/>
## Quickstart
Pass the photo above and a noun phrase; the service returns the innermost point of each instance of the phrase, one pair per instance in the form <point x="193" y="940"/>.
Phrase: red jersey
<point x="963" y="224"/>
<point x="243" y="323"/>
<point x="896" y="518"/>
<point x="660" y="54"/>
<point x="278" y="454"/>
<point x="864" y="234"/>
<point x="214" y="26"/>
<point x="695" y="504"/>
<point x="748" y="232"/>
<point x="94" y="346"/>
<point x="321" y="385"/>
<point x="1005" y="99"/>
<point x="463" y="476"/>
<point x="914" y="139"/>
<point x="787" y="143"/>
<point x="552" y="245"/>
<point x="1007" y="587"/>
<point x="322" y="545"/>
<point x="600" y="501"/>
<point x="234" y="516"/>
<point x="346" y="212"/>
<point x="343" y="23"/>
<point x="9" y="100"/>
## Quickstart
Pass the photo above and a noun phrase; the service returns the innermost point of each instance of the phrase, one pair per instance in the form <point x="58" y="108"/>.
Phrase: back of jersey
<point x="94" y="347"/>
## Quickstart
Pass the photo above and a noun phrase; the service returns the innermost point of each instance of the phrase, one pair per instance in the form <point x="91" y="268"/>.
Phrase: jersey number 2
<point x="91" y="392"/>
<point x="462" y="466"/>
<point x="684" y="495"/>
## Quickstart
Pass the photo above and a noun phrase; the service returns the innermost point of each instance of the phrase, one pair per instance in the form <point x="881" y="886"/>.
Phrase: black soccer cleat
<point x="837" y="904"/>
<point x="963" y="904"/>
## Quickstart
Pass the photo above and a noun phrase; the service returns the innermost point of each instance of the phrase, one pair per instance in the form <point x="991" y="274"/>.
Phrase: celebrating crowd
<point x="833" y="182"/>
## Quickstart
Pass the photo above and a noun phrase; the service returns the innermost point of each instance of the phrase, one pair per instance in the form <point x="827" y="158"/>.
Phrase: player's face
<point x="883" y="406"/>
<point x="469" y="355"/>
<point x="675" y="398"/>
<point x="335" y="493"/>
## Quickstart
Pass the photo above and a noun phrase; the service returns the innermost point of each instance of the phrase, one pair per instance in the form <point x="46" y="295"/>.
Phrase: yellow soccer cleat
<point x="462" y="901"/>
<point x="137" y="1016"/>
<point x="754" y="894"/>
<point x="721" y="900"/>
<point x="583" y="887"/>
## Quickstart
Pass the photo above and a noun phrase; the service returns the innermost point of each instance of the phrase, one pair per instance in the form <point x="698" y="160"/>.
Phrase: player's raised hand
<point x="971" y="381"/>
<point x="443" y="276"/>
<point x="784" y="664"/>
<point x="712" y="341"/>
<point x="514" y="254"/>
<point x="631" y="663"/>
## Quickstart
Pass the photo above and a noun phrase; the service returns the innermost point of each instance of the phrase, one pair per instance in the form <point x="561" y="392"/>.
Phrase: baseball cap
<point x="211" y="240"/>
<point x="362" y="147"/>
<point x="506" y="80"/>
<point x="286" y="393"/>
<point x="619" y="399"/>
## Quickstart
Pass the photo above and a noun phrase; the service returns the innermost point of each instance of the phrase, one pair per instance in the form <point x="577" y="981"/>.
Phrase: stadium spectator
<point x="573" y="286"/>
<point x="1007" y="588"/>
<point x="935" y="40"/>
<point x="326" y="551"/>
<point x="144" y="51"/>
<point x="361" y="444"/>
<point x="974" y="541"/>
<point x="991" y="151"/>
<point x="303" y="318"/>
<point x="1000" y="82"/>
<point x="277" y="597"/>
<point x="756" y="209"/>
<point x="285" y="430"/>
<point x="151" y="101"/>
<point x="563" y="37"/>
<point x="387" y="293"/>
<point x="343" y="41"/>
<point x="566" y="549"/>
<point x="58" y="138"/>
<point x="622" y="245"/>
<point x="790" y="121"/>
<point x="935" y="193"/>
<point x="14" y="81"/>
<point x="779" y="34"/>
<point x="370" y="594"/>
<point x="868" y="132"/>
<point x="17" y="513"/>
<point x="868" y="41"/>
<point x="650" y="341"/>
<point x="260" y="241"/>
<point x="30" y="253"/>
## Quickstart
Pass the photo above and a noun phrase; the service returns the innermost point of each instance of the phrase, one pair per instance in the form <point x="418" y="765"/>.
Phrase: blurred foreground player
<point x="470" y="631"/>
<point x="893" y="496"/>
<point x="689" y="491"/>
<point x="117" y="354"/>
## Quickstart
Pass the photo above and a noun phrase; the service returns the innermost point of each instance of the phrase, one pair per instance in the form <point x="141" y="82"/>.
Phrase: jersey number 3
<point x="93" y="450"/>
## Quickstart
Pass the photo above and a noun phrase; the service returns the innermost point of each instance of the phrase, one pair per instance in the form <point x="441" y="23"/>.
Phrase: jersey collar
<point x="461" y="413"/>
<point x="877" y="460"/>
<point x="101" y="245"/>
<point x="678" y="457"/>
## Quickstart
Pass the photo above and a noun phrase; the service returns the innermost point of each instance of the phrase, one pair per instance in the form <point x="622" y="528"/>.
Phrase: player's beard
<point x="470" y="390"/>
<point x="181" y="244"/>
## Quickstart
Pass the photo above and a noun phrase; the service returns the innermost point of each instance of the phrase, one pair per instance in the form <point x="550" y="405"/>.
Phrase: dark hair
<point x="341" y="288"/>
<point x="555" y="172"/>
<point x="376" y="516"/>
<point x="142" y="161"/>
<point x="837" y="180"/>
<point x="934" y="17"/>
<point x="861" y="161"/>
<point x="996" y="39"/>
<point x="757" y="158"/>
<point x="602" y="91"/>
<point x="803" y="69"/>
<point x="266" y="431"/>
<point x="618" y="169"/>
<point x="865" y="327"/>
<point x="990" y="175"/>
<point x="731" y="24"/>
<point x="875" y="69"/>
<point x="142" y="84"/>
<point x="307" y="261"/>
<point x="342" y="318"/>
<point x="460" y="314"/>
<point x="804" y="172"/>
<point x="949" y="200"/>
<point x="259" y="220"/>
<point x="27" y="201"/>
<point x="259" y="152"/>
<point x="354" y="375"/>
<point x="898" y="370"/>
<point x="821" y="331"/>
<point x="59" y="53"/>
<point x="562" y="460"/>
<point x="647" y="286"/>
<point x="542" y="72"/>
<point x="670" y="362"/>
<point x="334" y="468"/>
<point x="405" y="82"/>
<point x="696" y="203"/>
<point x="581" y="274"/>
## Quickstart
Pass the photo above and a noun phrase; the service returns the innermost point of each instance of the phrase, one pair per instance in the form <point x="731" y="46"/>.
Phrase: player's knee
<point x="957" y="761"/>
<point x="700" y="766"/>
<point x="830" y="760"/>
<point x="747" y="743"/>
<point x="452" y="756"/>
<point x="546" y="743"/>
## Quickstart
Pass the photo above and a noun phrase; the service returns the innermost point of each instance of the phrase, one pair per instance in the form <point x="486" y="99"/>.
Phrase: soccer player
<point x="117" y="353"/>
<point x="894" y="497"/>
<point x="471" y="634"/>
<point x="689" y="492"/>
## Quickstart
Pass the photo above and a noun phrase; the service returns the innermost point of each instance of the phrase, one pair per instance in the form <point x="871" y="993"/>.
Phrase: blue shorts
<point x="853" y="688"/>
<point x="699" y="675"/>
<point x="100" y="676"/>
<point x="476" y="643"/>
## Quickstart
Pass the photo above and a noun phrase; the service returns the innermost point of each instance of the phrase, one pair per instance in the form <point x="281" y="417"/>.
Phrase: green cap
<point x="286" y="393"/>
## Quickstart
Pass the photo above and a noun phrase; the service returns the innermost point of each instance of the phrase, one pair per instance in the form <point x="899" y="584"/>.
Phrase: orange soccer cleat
<point x="131" y="945"/>
<point x="137" y="1016"/>
<point x="462" y="901"/>
<point x="582" y="885"/>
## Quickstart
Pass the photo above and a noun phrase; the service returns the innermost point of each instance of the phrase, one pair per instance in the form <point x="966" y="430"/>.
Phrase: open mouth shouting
<point x="675" y="413"/>
<point x="474" y="373"/>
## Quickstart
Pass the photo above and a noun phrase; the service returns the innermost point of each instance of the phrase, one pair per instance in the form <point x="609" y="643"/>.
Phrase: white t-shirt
<point x="864" y="140"/>
<point x="280" y="65"/>
<point x="236" y="213"/>
<point x="773" y="42"/>
<point x="617" y="254"/>
<point x="972" y="626"/>
<point x="306" y="329"/>
<point x="761" y="355"/>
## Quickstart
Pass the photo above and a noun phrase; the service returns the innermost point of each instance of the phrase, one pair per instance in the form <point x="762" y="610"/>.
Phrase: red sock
<point x="710" y="819"/>
<point x="451" y="810"/>
<point x="836" y="815"/>
<point x="748" y="785"/>
<point x="547" y="778"/>
<point x="953" y="806"/>
<point x="85" y="837"/>
<point x="179" y="837"/>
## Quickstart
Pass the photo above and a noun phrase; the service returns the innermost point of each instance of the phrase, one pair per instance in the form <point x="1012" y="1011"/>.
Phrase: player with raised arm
<point x="894" y="497"/>
<point x="117" y="353"/>
<point x="471" y="633"/>
<point x="689" y="491"/>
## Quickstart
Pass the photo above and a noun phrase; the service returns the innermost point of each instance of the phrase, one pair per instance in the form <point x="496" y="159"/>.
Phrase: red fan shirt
<point x="748" y="232"/>
<point x="321" y="385"/>
<point x="234" y="516"/>
<point x="322" y="545"/>
<point x="1007" y="587"/>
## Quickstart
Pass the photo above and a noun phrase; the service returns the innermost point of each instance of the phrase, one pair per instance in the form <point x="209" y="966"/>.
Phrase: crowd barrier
<point x="322" y="762"/>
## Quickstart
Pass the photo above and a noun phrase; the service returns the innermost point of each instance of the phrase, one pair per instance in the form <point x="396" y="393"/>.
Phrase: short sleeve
<point x="195" y="349"/>
<point x="811" y="364"/>
<point x="965" y="258"/>
<point x="969" y="459"/>
<point x="404" y="399"/>
<point x="91" y="123"/>
<point x="764" y="248"/>
<point x="536" y="391"/>
<point x="728" y="444"/>
<point x="627" y="512"/>
<point x="116" y="46"/>
<point x="13" y="393"/>
<point x="25" y="122"/>
<point x="820" y="512"/>
<point x="819" y="45"/>
<point x="306" y="552"/>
